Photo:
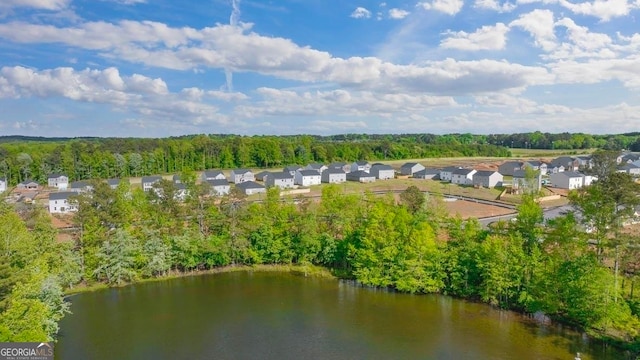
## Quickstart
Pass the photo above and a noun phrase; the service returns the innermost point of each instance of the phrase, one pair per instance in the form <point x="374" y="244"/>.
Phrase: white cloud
<point x="450" y="7"/>
<point x="398" y="13"/>
<point x="36" y="4"/>
<point x="605" y="10"/>
<point x="495" y="5"/>
<point x="485" y="38"/>
<point x="540" y="24"/>
<point x="360" y="13"/>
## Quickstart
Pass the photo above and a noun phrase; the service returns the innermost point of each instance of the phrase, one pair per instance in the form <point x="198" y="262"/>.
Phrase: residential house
<point x="361" y="176"/>
<point x="113" y="183"/>
<point x="80" y="186"/>
<point x="28" y="185"/>
<point x="569" y="163"/>
<point x="59" y="181"/>
<point x="219" y="187"/>
<point x="382" y="171"/>
<point x="588" y="179"/>
<point x="411" y="168"/>
<point x="317" y="167"/>
<point x="241" y="175"/>
<point x="60" y="202"/>
<point x="262" y="175"/>
<point x="291" y="169"/>
<point x="462" y="176"/>
<point x="176" y="179"/>
<point x="212" y="175"/>
<point x="628" y="157"/>
<point x="447" y="173"/>
<point x="3" y="185"/>
<point x="487" y="178"/>
<point x="536" y="165"/>
<point x="334" y="176"/>
<point x="361" y="165"/>
<point x="149" y="181"/>
<point x="507" y="168"/>
<point x="630" y="168"/>
<point x="567" y="180"/>
<point x="181" y="191"/>
<point x="340" y="165"/>
<point x="554" y="169"/>
<point x="251" y="187"/>
<point x="585" y="161"/>
<point x="283" y="180"/>
<point x="307" y="177"/>
<point x="428" y="174"/>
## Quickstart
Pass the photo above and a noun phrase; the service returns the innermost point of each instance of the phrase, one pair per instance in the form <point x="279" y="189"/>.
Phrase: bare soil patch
<point x="469" y="209"/>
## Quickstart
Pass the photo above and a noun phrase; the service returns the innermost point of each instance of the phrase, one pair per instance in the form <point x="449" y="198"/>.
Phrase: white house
<point x="462" y="176"/>
<point x="360" y="166"/>
<point x="447" y="173"/>
<point x="59" y="202"/>
<point x="567" y="180"/>
<point x="58" y="181"/>
<point x="219" y="187"/>
<point x="28" y="185"/>
<point x="241" y="175"/>
<point x="317" y="167"/>
<point x="307" y="177"/>
<point x="487" y="178"/>
<point x="212" y="175"/>
<point x="283" y="180"/>
<point x="3" y="185"/>
<point x="428" y="174"/>
<point x="251" y="187"/>
<point x="554" y="169"/>
<point x="536" y="165"/>
<point x="361" y="176"/>
<point x="521" y="183"/>
<point x="148" y="181"/>
<point x="334" y="176"/>
<point x="411" y="168"/>
<point x="382" y="171"/>
<point x="80" y="186"/>
<point x="630" y="168"/>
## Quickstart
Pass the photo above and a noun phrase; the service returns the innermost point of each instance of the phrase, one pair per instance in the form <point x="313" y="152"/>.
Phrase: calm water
<point x="280" y="316"/>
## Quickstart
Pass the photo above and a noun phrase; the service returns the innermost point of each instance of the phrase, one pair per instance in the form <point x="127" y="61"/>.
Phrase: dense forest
<point x="23" y="158"/>
<point x="585" y="278"/>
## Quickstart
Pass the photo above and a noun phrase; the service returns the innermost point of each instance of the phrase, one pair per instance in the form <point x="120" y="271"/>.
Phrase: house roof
<point x="292" y="168"/>
<point x="360" y="174"/>
<point x="533" y="163"/>
<point x="379" y="167"/>
<point x="29" y="181"/>
<point x="569" y="174"/>
<point x="63" y="195"/>
<point x="315" y="166"/>
<point x="218" y="182"/>
<point x="485" y="173"/>
<point x="241" y="171"/>
<point x="409" y="165"/>
<point x="150" y="179"/>
<point x="55" y="176"/>
<point x="286" y="175"/>
<point x="519" y="174"/>
<point x="463" y="171"/>
<point x="331" y="171"/>
<point x="249" y="185"/>
<point x="212" y="173"/>
<point x="176" y="178"/>
<point x="361" y="162"/>
<point x="180" y="186"/>
<point x="337" y="164"/>
<point x="510" y="164"/>
<point x="449" y="169"/>
<point x="79" y="184"/>
<point x="628" y="166"/>
<point x="427" y="172"/>
<point x="113" y="181"/>
<point x="308" y="173"/>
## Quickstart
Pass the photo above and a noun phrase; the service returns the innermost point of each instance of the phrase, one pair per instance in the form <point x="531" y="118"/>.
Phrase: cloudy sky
<point x="165" y="67"/>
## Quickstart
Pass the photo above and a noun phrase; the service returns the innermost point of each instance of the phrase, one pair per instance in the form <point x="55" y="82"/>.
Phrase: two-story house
<point x="462" y="176"/>
<point x="61" y="203"/>
<point x="283" y="180"/>
<point x="59" y="181"/>
<point x="334" y="176"/>
<point x="241" y="175"/>
<point x="307" y="178"/>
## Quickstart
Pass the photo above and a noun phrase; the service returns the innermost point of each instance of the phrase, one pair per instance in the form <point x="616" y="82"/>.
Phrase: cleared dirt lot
<point x="469" y="209"/>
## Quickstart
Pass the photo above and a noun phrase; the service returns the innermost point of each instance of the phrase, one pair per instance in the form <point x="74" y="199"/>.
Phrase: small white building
<point x="3" y="185"/>
<point x="334" y="176"/>
<point x="283" y="180"/>
<point x="59" y="181"/>
<point x="361" y="176"/>
<point x="149" y="181"/>
<point x="60" y="203"/>
<point x="567" y="180"/>
<point x="427" y="174"/>
<point x="307" y="177"/>
<point x="241" y="175"/>
<point x="219" y="187"/>
<point x="462" y="176"/>
<point x="487" y="178"/>
<point x="382" y="171"/>
<point x="212" y="175"/>
<point x="411" y="168"/>
<point x="446" y="174"/>
<point x="251" y="187"/>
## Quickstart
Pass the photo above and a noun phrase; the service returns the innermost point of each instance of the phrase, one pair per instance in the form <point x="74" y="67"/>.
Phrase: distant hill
<point x="21" y="138"/>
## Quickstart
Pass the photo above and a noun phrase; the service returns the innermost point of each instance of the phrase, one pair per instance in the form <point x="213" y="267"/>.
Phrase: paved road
<point x="550" y="213"/>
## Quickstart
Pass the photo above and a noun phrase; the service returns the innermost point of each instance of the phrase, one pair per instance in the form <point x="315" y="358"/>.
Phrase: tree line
<point x="411" y="244"/>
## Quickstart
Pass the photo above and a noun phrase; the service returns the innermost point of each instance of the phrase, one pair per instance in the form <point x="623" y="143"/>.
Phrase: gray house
<point x="80" y="186"/>
<point x="569" y="163"/>
<point x="361" y="176"/>
<point x="219" y="187"/>
<point x="317" y="167"/>
<point x="283" y="180"/>
<point x="630" y="168"/>
<point x="554" y="169"/>
<point x="507" y="168"/>
<point x="334" y="176"/>
<point x="59" y="181"/>
<point x="241" y="175"/>
<point x="411" y="168"/>
<point x="520" y="182"/>
<point x="361" y="165"/>
<point x="462" y="176"/>
<point x="251" y="187"/>
<point x="113" y="183"/>
<point x="212" y="175"/>
<point x="262" y="175"/>
<point x="447" y="173"/>
<point x="487" y="178"/>
<point x="149" y="181"/>
<point x="567" y="180"/>
<point x="291" y="169"/>
<point x="340" y="165"/>
<point x="428" y="174"/>
<point x="536" y="165"/>
<point x="382" y="171"/>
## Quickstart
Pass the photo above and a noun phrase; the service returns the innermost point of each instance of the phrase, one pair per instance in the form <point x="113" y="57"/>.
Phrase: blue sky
<point x="162" y="67"/>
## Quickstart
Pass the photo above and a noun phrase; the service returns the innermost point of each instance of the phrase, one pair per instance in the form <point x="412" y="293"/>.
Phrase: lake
<point x="264" y="315"/>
